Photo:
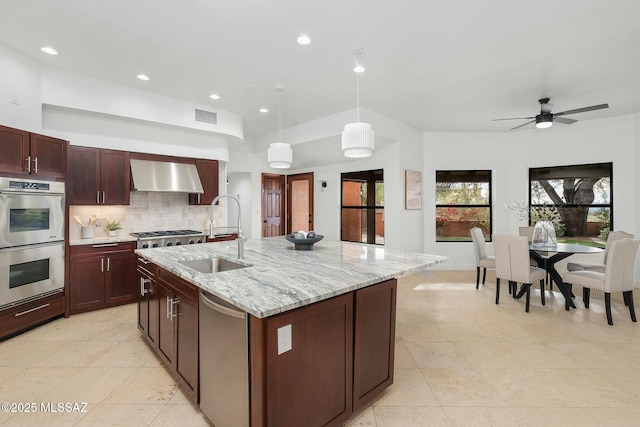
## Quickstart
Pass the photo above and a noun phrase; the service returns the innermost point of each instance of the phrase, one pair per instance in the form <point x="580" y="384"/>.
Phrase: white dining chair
<point x="482" y="259"/>
<point x="613" y="236"/>
<point x="512" y="264"/>
<point x="617" y="277"/>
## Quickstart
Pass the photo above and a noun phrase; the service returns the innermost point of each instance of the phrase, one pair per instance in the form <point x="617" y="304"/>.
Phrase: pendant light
<point x="358" y="139"/>
<point x="280" y="154"/>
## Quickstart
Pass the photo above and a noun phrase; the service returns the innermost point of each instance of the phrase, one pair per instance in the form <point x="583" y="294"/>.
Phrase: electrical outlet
<point x="100" y="222"/>
<point x="284" y="339"/>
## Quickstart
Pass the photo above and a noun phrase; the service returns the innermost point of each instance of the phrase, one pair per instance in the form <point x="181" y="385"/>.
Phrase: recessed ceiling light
<point x="264" y="110"/>
<point x="49" y="50"/>
<point x="304" y="40"/>
<point x="358" y="69"/>
<point x="143" y="77"/>
<point x="214" y="96"/>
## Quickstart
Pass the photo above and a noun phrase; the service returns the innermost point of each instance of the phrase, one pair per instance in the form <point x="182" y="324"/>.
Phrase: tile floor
<point x="460" y="361"/>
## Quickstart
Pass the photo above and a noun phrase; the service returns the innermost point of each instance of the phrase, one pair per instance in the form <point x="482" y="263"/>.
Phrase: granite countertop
<point x="279" y="278"/>
<point x="102" y="240"/>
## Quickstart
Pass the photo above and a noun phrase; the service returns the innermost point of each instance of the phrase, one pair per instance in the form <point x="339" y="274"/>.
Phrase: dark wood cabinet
<point x="311" y="384"/>
<point x="25" y="153"/>
<point x="222" y="237"/>
<point x="174" y="308"/>
<point x="374" y="341"/>
<point x="208" y="172"/>
<point x="148" y="301"/>
<point x="16" y="319"/>
<point x="98" y="176"/>
<point x="101" y="276"/>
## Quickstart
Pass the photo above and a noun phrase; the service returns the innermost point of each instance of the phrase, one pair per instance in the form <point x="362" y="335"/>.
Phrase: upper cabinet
<point x="25" y="153"/>
<point x="98" y="177"/>
<point x="208" y="172"/>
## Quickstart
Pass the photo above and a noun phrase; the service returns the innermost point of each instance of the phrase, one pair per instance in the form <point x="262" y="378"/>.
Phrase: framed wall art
<point x="413" y="190"/>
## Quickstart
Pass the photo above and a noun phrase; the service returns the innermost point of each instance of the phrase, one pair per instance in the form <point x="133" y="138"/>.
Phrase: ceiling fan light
<point x="544" y="121"/>
<point x="280" y="155"/>
<point x="358" y="140"/>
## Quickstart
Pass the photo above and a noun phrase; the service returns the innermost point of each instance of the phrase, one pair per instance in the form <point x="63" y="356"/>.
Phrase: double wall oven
<point x="31" y="239"/>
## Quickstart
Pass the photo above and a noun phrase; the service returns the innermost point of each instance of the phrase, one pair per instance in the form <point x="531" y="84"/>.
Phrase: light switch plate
<point x="284" y="339"/>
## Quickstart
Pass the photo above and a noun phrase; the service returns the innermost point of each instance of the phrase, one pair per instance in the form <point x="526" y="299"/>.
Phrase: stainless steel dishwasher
<point x="224" y="362"/>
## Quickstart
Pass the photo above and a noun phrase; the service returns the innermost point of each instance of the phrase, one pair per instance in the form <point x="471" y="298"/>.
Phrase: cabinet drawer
<point x="147" y="268"/>
<point x="101" y="248"/>
<point x="186" y="290"/>
<point x="31" y="313"/>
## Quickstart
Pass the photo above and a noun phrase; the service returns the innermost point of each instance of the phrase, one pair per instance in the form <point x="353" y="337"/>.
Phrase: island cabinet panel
<point x="311" y="384"/>
<point x="374" y="341"/>
<point x="208" y="172"/>
<point x="25" y="153"/>
<point x="101" y="276"/>
<point x="148" y="301"/>
<point x="98" y="177"/>
<point x="177" y="337"/>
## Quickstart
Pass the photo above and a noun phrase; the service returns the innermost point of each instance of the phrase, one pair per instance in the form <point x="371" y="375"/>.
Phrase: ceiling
<point x="439" y="66"/>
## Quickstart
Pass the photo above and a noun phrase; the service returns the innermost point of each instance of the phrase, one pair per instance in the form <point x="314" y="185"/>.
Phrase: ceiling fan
<point x="546" y="118"/>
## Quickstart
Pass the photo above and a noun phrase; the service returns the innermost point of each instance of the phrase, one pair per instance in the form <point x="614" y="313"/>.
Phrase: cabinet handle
<point x="97" y="197"/>
<point x="104" y="245"/>
<point x="144" y="261"/>
<point x="104" y="200"/>
<point x="169" y="314"/>
<point x="199" y="198"/>
<point x="35" y="165"/>
<point x="22" y="313"/>
<point x="28" y="160"/>
<point x="177" y="302"/>
<point x="143" y="290"/>
<point x="102" y="265"/>
<point x="108" y="264"/>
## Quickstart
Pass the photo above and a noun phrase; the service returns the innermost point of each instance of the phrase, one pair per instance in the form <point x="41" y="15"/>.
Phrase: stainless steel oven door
<point x="30" y="218"/>
<point x="27" y="272"/>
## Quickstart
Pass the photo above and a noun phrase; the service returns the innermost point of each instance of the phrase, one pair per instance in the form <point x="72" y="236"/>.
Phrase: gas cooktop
<point x="167" y="233"/>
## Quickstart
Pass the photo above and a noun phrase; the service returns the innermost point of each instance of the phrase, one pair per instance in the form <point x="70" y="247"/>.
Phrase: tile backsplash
<point x="146" y="212"/>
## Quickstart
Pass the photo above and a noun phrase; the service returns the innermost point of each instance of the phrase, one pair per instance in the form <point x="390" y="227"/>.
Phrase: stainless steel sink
<point x="212" y="265"/>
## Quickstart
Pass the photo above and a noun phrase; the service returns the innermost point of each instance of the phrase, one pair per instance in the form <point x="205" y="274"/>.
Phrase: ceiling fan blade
<point x="546" y="108"/>
<point x="522" y="125"/>
<point x="515" y="118"/>
<point x="565" y="120"/>
<point x="582" y="110"/>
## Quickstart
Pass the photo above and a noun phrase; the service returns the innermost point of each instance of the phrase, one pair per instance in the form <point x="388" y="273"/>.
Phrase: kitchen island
<point x="334" y="307"/>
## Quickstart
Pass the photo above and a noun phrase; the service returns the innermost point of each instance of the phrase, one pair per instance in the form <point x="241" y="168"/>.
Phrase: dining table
<point x="557" y="253"/>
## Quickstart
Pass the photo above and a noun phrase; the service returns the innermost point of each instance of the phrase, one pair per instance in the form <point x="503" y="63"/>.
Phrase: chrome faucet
<point x="240" y="239"/>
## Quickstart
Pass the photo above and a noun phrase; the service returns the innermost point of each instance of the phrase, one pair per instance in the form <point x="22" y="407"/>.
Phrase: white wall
<point x="19" y="78"/>
<point x="510" y="155"/>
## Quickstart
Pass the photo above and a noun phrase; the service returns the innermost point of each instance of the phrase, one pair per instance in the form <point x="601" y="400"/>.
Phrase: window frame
<point x="371" y="177"/>
<point x="489" y="206"/>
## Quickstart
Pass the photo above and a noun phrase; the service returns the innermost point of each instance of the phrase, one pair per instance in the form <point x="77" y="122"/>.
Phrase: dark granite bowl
<point x="304" y="244"/>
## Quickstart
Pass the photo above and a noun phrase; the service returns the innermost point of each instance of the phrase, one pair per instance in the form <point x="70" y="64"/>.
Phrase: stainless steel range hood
<point x="165" y="177"/>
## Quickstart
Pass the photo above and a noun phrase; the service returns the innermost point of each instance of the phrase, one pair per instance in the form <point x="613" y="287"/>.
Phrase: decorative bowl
<point x="304" y="244"/>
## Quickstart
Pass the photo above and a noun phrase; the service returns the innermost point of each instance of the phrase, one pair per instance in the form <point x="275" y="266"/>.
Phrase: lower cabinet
<point x="341" y="357"/>
<point x="168" y="316"/>
<point x="32" y="313"/>
<point x="101" y="276"/>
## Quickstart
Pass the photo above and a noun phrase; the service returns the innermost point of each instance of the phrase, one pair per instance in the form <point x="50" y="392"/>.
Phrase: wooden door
<point x="83" y="185"/>
<point x="115" y="177"/>
<point x="300" y="202"/>
<point x="273" y="205"/>
<point x="14" y="145"/>
<point x="49" y="156"/>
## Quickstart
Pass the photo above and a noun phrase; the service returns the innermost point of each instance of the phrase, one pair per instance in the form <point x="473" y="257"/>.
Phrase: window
<point x="363" y="207"/>
<point x="578" y="196"/>
<point x="463" y="201"/>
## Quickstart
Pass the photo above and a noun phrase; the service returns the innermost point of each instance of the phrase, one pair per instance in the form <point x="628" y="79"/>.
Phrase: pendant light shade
<point x="280" y="154"/>
<point x="358" y="139"/>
